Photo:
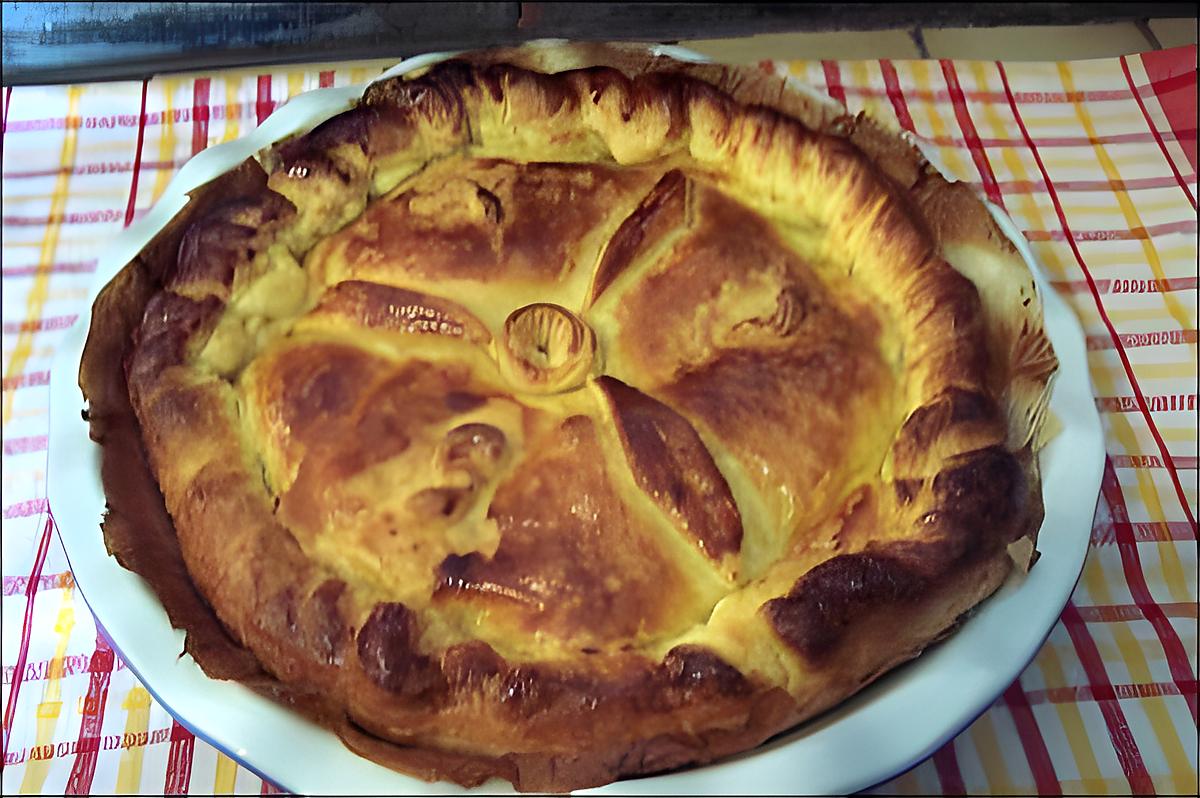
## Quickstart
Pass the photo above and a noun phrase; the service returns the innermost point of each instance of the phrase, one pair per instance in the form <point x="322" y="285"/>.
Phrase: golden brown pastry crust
<point x="725" y="581"/>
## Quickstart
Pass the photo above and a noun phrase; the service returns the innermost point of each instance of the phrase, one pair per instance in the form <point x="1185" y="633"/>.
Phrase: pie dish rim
<point x="299" y="123"/>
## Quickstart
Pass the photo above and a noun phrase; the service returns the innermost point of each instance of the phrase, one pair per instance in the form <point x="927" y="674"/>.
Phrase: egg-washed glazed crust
<point x="566" y="413"/>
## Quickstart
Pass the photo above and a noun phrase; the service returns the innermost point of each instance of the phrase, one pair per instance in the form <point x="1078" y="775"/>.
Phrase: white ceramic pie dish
<point x="900" y="720"/>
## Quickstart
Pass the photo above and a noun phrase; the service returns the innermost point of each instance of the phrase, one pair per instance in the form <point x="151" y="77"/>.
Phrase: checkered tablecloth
<point x="1095" y="160"/>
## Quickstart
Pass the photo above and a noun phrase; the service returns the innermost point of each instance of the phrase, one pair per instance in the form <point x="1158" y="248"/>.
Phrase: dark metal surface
<point x="60" y="42"/>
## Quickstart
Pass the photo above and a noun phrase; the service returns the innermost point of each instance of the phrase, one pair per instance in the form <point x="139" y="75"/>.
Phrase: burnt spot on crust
<point x="434" y="98"/>
<point x="468" y="666"/>
<point x="310" y="152"/>
<point x="224" y="241"/>
<point x="959" y="409"/>
<point x="815" y="615"/>
<point x="689" y="672"/>
<point x="475" y="448"/>
<point x="661" y="211"/>
<point x="171" y="327"/>
<point x="314" y="624"/>
<point x="463" y="401"/>
<point x="176" y="316"/>
<point x="673" y="467"/>
<point x="982" y="490"/>
<point x="384" y="307"/>
<point x="325" y="631"/>
<point x="387" y="650"/>
<point x="552" y="95"/>
<point x="907" y="489"/>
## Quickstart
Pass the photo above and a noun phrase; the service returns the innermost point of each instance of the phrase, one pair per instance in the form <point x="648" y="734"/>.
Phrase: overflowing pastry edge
<point x="549" y="727"/>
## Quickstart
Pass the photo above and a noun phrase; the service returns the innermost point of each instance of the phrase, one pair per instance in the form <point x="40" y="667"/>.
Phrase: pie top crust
<point x="563" y="414"/>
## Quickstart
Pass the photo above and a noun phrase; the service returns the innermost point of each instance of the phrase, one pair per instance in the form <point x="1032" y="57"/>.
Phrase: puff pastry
<point x="565" y="414"/>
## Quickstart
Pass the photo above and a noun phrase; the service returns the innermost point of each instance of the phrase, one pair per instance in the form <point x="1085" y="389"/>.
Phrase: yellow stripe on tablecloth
<point x="987" y="748"/>
<point x="1134" y="658"/>
<point x="951" y="157"/>
<point x="1068" y="714"/>
<point x="1173" y="574"/>
<point x="166" y="139"/>
<point x="1170" y="253"/>
<point x="1128" y="210"/>
<point x="1166" y="371"/>
<point x="233" y="109"/>
<point x="1119" y="424"/>
<point x="295" y="84"/>
<point x="1178" y="435"/>
<point x="137" y="720"/>
<point x="1133" y="315"/>
<point x="226" y="775"/>
<point x="1144" y="204"/>
<point x="49" y="246"/>
<point x="50" y="707"/>
<point x="860" y="75"/>
<point x="1071" y="718"/>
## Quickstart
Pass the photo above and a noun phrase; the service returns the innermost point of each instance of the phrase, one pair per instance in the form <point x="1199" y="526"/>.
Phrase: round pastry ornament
<point x="571" y="413"/>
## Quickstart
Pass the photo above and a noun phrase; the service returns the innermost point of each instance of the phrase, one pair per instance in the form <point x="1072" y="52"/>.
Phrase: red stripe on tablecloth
<point x="1151" y="461"/>
<point x="30" y="379"/>
<point x="971" y="136"/>
<point x="1177" y="656"/>
<point x="179" y="760"/>
<point x="16" y="584"/>
<point x="98" y="168"/>
<point x="84" y="768"/>
<point x="7" y="105"/>
<point x="325" y="79"/>
<point x="137" y="156"/>
<point x="1137" y="233"/>
<point x="1123" y="742"/>
<point x="31" y="588"/>
<point x="1030" y="735"/>
<point x="1121" y="613"/>
<point x="47" y="324"/>
<point x="270" y="789"/>
<point x="34" y="443"/>
<point x="1134" y="340"/>
<point x="896" y="94"/>
<point x="68" y="665"/>
<point x="833" y="81"/>
<point x="1062" y="218"/>
<point x="945" y="761"/>
<point x="1146" y="532"/>
<point x="84" y="217"/>
<point x="1162" y="403"/>
<point x="1058" y="141"/>
<point x="181" y="115"/>
<point x="1172" y="76"/>
<point x="1157" y="137"/>
<point x="1133" y="184"/>
<point x="1071" y="695"/>
<point x="265" y="105"/>
<point x="25" y="509"/>
<point x="200" y="90"/>
<point x="1033" y="97"/>
<point x="85" y="267"/>
<point x="1135" y="285"/>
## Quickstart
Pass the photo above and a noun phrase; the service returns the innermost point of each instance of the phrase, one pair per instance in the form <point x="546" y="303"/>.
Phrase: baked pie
<point x="569" y="413"/>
